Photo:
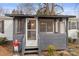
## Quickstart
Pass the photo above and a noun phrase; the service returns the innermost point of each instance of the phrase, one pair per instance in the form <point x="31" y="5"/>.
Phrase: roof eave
<point x="40" y="16"/>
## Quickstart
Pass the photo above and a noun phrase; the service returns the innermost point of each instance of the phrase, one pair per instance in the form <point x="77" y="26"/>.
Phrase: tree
<point x="1" y="11"/>
<point x="41" y="10"/>
<point x="16" y="11"/>
<point x="27" y="8"/>
<point x="58" y="9"/>
<point x="46" y="9"/>
<point x="49" y="9"/>
<point x="38" y="9"/>
<point x="4" y="11"/>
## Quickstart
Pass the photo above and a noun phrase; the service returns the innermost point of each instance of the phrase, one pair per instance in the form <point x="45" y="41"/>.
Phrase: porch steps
<point x="31" y="51"/>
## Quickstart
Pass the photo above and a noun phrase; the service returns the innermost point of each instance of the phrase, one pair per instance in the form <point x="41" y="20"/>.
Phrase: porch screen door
<point x="31" y="32"/>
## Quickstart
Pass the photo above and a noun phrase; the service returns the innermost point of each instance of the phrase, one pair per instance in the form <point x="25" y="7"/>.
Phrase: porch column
<point x="24" y="38"/>
<point x="67" y="32"/>
<point x="37" y="37"/>
<point x="59" y="25"/>
<point x="54" y="25"/>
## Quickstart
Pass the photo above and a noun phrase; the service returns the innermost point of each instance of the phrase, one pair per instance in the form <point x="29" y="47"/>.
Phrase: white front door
<point x="31" y="32"/>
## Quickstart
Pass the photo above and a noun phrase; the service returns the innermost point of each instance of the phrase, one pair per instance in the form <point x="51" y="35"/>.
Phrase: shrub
<point x="51" y="50"/>
<point x="70" y="40"/>
<point x="2" y="40"/>
<point x="78" y="34"/>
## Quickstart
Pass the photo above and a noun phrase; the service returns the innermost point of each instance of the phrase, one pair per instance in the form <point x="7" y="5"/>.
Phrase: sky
<point x="8" y="5"/>
<point x="69" y="8"/>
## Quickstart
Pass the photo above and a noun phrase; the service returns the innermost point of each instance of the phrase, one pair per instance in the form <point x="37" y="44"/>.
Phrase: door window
<point x="31" y="29"/>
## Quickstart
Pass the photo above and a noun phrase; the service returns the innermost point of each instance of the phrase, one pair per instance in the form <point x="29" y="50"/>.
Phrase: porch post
<point x="37" y="36"/>
<point x="54" y="25"/>
<point x="37" y="29"/>
<point x="59" y="25"/>
<point x="67" y="32"/>
<point x="24" y="38"/>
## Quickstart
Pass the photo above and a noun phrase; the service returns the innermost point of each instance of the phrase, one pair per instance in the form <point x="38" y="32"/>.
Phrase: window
<point x="2" y="26"/>
<point x="19" y="25"/>
<point x="69" y="25"/>
<point x="73" y="25"/>
<point x="42" y="26"/>
<point x="46" y="25"/>
<point x="78" y="25"/>
<point x="31" y="35"/>
<point x="31" y="24"/>
<point x="49" y="26"/>
<point x="31" y="29"/>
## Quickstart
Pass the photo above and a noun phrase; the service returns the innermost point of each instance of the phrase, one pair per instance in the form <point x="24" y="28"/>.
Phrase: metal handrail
<point x="23" y="45"/>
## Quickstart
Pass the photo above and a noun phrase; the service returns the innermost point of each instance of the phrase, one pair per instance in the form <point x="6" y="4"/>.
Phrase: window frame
<point x="56" y="24"/>
<point x="46" y="25"/>
<point x="31" y="30"/>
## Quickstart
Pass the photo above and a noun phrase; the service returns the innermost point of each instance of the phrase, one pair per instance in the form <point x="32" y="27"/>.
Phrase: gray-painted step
<point x="31" y="51"/>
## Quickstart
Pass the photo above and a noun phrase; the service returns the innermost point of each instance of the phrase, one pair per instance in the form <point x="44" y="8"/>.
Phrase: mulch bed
<point x="6" y="49"/>
<point x="74" y="51"/>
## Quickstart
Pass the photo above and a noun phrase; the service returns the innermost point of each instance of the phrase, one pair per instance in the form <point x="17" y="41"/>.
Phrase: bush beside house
<point x="2" y="39"/>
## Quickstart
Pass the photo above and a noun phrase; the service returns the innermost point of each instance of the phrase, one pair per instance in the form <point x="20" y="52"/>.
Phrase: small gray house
<point x="38" y="32"/>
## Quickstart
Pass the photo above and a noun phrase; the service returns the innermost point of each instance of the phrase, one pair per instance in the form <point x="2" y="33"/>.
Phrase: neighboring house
<point x="6" y="27"/>
<point x="73" y="28"/>
<point x="38" y="32"/>
<point x="73" y="23"/>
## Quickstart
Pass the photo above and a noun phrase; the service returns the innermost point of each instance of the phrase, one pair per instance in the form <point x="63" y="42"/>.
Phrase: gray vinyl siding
<point x="46" y="39"/>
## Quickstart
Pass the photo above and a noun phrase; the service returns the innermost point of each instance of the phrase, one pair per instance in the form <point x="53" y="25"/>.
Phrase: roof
<point x="5" y="18"/>
<point x="40" y="16"/>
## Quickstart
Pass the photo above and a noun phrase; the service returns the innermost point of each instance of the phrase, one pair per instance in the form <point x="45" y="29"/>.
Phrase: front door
<point x="31" y="32"/>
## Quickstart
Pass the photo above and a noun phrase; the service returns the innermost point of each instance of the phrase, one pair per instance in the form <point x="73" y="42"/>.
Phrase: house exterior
<point x="6" y="27"/>
<point x="73" y="29"/>
<point x="73" y="24"/>
<point x="38" y="31"/>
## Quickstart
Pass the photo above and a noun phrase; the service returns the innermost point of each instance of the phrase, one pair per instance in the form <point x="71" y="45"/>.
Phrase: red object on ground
<point x="16" y="43"/>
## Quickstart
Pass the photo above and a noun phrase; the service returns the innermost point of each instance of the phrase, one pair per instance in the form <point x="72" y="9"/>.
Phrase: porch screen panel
<point x="49" y="26"/>
<point x="46" y="25"/>
<point x="42" y="26"/>
<point x="19" y="26"/>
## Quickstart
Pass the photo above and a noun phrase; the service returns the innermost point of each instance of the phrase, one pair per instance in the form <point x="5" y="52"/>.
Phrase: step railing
<point x="23" y="45"/>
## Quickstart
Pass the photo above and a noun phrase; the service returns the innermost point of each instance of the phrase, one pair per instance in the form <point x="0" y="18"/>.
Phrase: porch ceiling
<point x="40" y="16"/>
